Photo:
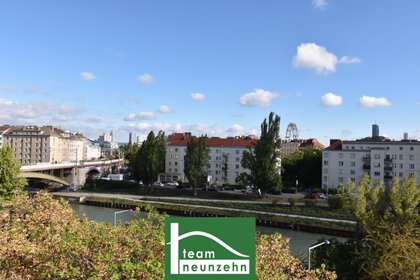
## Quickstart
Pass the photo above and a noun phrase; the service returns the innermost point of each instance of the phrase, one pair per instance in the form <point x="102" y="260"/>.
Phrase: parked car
<point x="249" y="190"/>
<point x="321" y="195"/>
<point x="317" y="195"/>
<point x="158" y="184"/>
<point x="172" y="184"/>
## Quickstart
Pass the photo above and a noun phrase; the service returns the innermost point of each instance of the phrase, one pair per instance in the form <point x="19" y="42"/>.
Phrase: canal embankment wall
<point x="336" y="227"/>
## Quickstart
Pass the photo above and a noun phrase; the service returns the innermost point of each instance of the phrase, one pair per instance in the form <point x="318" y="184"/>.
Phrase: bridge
<point x="68" y="165"/>
<point x="65" y="173"/>
<point x="35" y="175"/>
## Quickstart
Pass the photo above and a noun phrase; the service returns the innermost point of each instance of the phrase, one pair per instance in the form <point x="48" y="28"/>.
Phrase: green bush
<point x="310" y="202"/>
<point x="42" y="238"/>
<point x="316" y="190"/>
<point x="336" y="202"/>
<point x="292" y="201"/>
<point x="289" y="190"/>
<point x="275" y="200"/>
<point x="332" y="191"/>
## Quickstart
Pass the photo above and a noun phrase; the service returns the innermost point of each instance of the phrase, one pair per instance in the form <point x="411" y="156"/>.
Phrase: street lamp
<point x="119" y="212"/>
<point x="313" y="247"/>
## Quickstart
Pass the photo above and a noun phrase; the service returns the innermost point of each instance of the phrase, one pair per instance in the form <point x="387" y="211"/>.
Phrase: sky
<point x="212" y="67"/>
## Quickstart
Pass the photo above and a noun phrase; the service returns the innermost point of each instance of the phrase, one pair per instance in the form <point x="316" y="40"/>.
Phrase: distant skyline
<point x="217" y="67"/>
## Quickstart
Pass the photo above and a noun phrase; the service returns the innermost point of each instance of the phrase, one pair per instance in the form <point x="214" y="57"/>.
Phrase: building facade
<point x="3" y="129"/>
<point x="349" y="160"/>
<point x="46" y="144"/>
<point x="224" y="164"/>
<point x="292" y="146"/>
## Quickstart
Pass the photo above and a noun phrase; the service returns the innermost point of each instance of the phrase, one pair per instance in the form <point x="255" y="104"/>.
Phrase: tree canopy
<point x="129" y="152"/>
<point x="10" y="182"/>
<point x="304" y="166"/>
<point x="263" y="159"/>
<point x="386" y="245"/>
<point x="150" y="158"/>
<point x="196" y="161"/>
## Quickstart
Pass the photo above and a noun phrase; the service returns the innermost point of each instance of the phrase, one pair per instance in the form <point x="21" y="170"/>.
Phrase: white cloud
<point x="88" y="76"/>
<point x="315" y="57"/>
<point x="146" y="127"/>
<point x="331" y="100"/>
<point x="140" y="116"/>
<point x="8" y="89"/>
<point x="416" y="135"/>
<point x="94" y="119"/>
<point x="259" y="97"/>
<point x="69" y="109"/>
<point x="349" y="60"/>
<point x="145" y="79"/>
<point x="371" y="102"/>
<point x="198" y="96"/>
<point x="318" y="58"/>
<point x="18" y="113"/>
<point x="64" y="118"/>
<point x="320" y="4"/>
<point x="165" y="109"/>
<point x="235" y="129"/>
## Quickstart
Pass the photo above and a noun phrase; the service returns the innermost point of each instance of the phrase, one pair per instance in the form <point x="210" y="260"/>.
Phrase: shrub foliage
<point x="41" y="238"/>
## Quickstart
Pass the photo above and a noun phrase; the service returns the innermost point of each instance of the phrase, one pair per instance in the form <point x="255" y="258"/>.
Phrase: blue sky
<point x="218" y="67"/>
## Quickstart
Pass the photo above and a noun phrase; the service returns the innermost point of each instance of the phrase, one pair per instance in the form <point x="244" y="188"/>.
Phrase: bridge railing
<point x="63" y="165"/>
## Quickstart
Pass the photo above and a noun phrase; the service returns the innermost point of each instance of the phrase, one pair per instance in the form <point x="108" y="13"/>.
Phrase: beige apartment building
<point x="225" y="155"/>
<point x="3" y="129"/>
<point x="33" y="144"/>
<point x="289" y="147"/>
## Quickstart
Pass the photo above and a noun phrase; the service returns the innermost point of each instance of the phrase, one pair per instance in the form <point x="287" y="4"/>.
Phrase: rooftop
<point x="182" y="139"/>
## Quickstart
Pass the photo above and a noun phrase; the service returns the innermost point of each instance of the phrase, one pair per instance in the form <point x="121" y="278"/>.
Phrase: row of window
<point x="401" y="148"/>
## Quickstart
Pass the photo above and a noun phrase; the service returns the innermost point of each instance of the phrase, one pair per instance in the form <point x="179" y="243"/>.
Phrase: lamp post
<point x="119" y="212"/>
<point x="313" y="247"/>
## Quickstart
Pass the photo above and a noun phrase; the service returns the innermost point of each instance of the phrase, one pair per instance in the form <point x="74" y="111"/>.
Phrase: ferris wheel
<point x="292" y="132"/>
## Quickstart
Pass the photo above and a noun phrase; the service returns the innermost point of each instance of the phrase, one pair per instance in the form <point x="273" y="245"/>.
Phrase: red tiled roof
<point x="335" y="144"/>
<point x="312" y="143"/>
<point x="182" y="139"/>
<point x="3" y="128"/>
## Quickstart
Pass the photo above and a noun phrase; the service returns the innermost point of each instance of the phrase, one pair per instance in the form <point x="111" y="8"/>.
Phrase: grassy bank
<point x="201" y="210"/>
<point x="312" y="211"/>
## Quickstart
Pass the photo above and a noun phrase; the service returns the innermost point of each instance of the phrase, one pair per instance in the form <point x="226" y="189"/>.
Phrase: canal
<point x="299" y="241"/>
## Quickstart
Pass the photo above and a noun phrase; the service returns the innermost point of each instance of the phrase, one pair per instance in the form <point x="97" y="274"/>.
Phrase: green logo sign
<point x="209" y="248"/>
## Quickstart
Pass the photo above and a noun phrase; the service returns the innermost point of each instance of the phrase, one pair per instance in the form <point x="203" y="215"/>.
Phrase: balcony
<point x="387" y="159"/>
<point x="366" y="166"/>
<point x="388" y="168"/>
<point x="388" y="177"/>
<point x="366" y="159"/>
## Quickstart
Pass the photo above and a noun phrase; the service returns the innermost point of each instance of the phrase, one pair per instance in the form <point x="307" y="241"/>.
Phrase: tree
<point x="129" y="152"/>
<point x="11" y="183"/>
<point x="263" y="159"/>
<point x="389" y="221"/>
<point x="304" y="165"/>
<point x="150" y="158"/>
<point x="196" y="161"/>
<point x="386" y="244"/>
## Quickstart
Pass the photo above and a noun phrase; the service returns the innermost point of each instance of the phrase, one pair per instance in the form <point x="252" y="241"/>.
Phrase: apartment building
<point x="3" y="129"/>
<point x="225" y="155"/>
<point x="382" y="160"/>
<point x="76" y="148"/>
<point x="90" y="151"/>
<point x="289" y="147"/>
<point x="33" y="144"/>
